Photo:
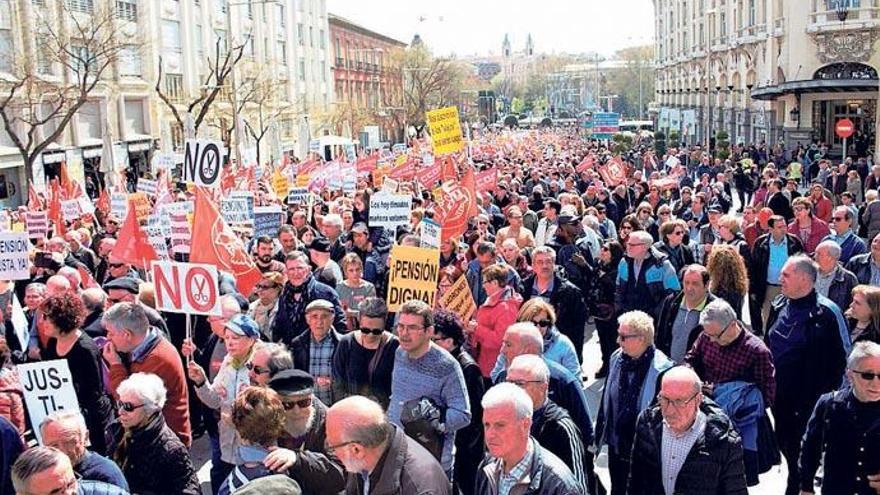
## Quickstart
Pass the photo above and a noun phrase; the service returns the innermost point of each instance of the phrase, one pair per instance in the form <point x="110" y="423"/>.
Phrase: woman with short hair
<point x="494" y="316"/>
<point x="265" y="306"/>
<point x="864" y="313"/>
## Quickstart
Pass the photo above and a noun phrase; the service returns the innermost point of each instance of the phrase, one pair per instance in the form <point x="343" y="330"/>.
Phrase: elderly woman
<point x="629" y="389"/>
<point x="264" y="307"/>
<point x="450" y="254"/>
<point x="493" y="316"/>
<point x="730" y="232"/>
<point x="62" y="316"/>
<point x="864" y="313"/>
<point x="152" y="458"/>
<point x="353" y="289"/>
<point x="805" y="226"/>
<point x="674" y="244"/>
<point x="240" y="334"/>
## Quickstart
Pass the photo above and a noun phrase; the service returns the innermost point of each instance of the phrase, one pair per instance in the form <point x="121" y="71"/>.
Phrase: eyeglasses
<point x="543" y="323"/>
<point x="799" y="208"/>
<point x="374" y="331"/>
<point x="409" y="328"/>
<point x="839" y="219"/>
<point x="624" y="337"/>
<point x="677" y="232"/>
<point x="302" y="403"/>
<point x="675" y="403"/>
<point x="523" y="383"/>
<point x="330" y="449"/>
<point x="664" y="213"/>
<point x="128" y="406"/>
<point x="866" y="375"/>
<point x="625" y="227"/>
<point x="113" y="301"/>
<point x="257" y="369"/>
<point x="722" y="332"/>
<point x="635" y="244"/>
<point x="264" y="287"/>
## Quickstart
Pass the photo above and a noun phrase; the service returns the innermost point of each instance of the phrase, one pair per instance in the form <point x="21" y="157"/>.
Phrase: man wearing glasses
<point x="685" y="444"/>
<point x="844" y="430"/>
<point x="645" y="276"/>
<point x="842" y="227"/>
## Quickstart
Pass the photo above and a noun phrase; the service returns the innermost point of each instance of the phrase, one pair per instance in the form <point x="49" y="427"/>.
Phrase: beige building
<point x="768" y="70"/>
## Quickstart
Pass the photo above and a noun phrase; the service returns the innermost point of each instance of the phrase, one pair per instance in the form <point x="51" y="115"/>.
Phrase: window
<point x="302" y="70"/>
<point x="200" y="47"/>
<point x="250" y="11"/>
<point x="249" y="47"/>
<point x="127" y="10"/>
<point x="174" y="86"/>
<point x="723" y="18"/>
<point x="130" y="61"/>
<point x="321" y="42"/>
<point x="83" y="62"/>
<point x="39" y="3"/>
<point x="176" y="135"/>
<point x="281" y="53"/>
<point x="45" y="58"/>
<point x="323" y="71"/>
<point x="300" y="34"/>
<point x="86" y="6"/>
<point x="6" y="50"/>
<point x="752" y="13"/>
<point x="171" y="36"/>
<point x="833" y="4"/>
<point x="221" y="38"/>
<point x="281" y="14"/>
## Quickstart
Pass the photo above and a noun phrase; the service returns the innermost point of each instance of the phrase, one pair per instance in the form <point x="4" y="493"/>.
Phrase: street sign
<point x="844" y="128"/>
<point x="605" y="125"/>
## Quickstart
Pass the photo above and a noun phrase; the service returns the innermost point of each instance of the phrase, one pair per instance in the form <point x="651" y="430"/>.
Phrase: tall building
<point x="768" y="70"/>
<point x="367" y="85"/>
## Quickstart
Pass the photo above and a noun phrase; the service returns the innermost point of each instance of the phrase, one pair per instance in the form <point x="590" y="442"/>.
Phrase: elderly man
<point x="809" y="340"/>
<point x="833" y="280"/>
<point x="326" y="270"/>
<point x="644" y="277"/>
<point x="302" y="453"/>
<point x="768" y="256"/>
<point x="685" y="444"/>
<point x="364" y="359"/>
<point x="866" y="267"/>
<point x="46" y="470"/>
<point x="67" y="432"/>
<point x="422" y="370"/>
<point x="126" y="289"/>
<point x="104" y="247"/>
<point x="145" y="349"/>
<point x="79" y="252"/>
<point x="94" y="299"/>
<point x="313" y="351"/>
<point x="517" y="463"/>
<point x="844" y="431"/>
<point x="301" y="289"/>
<point x="842" y="225"/>
<point x="377" y="455"/>
<point x="679" y="322"/>
<point x="565" y="297"/>
<point x="331" y="228"/>
<point x="630" y="388"/>
<point x="486" y="257"/>
<point x="552" y="426"/>
<point x="268" y="359"/>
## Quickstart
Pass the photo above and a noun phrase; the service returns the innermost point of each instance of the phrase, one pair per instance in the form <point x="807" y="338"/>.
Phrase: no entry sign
<point x="844" y="128"/>
<point x="190" y="288"/>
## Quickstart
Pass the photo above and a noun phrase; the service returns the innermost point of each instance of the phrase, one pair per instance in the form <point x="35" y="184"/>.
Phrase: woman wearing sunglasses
<point x="150" y="455"/>
<point x="263" y="309"/>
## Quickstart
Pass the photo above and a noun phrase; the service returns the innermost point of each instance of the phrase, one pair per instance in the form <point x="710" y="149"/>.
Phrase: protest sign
<point x="190" y="288"/>
<point x="429" y="176"/>
<point x="430" y="236"/>
<point x="280" y="183"/>
<point x="37" y="224"/>
<point x="156" y="239"/>
<point x="14" y="248"/>
<point x="86" y="207"/>
<point x="445" y="130"/>
<point x="297" y="195"/>
<point x="70" y="209"/>
<point x="181" y="233"/>
<point x="267" y="220"/>
<point x="119" y="205"/>
<point x="487" y="180"/>
<point x="459" y="299"/>
<point x="367" y="164"/>
<point x="141" y="205"/>
<point x="413" y="275"/>
<point x="235" y="210"/>
<point x="48" y="387"/>
<point x="147" y="186"/>
<point x="163" y="161"/>
<point x="390" y="185"/>
<point x="389" y="210"/>
<point x="203" y="162"/>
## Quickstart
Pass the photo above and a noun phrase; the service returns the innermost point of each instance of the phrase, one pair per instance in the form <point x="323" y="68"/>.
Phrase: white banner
<point x="190" y="288"/>
<point x="119" y="205"/>
<point x="37" y="223"/>
<point x="390" y="210"/>
<point x="430" y="235"/>
<point x="48" y="387"/>
<point x="147" y="186"/>
<point x="14" y="247"/>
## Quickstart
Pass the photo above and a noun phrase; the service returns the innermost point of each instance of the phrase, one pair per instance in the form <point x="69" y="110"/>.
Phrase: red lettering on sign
<point x="169" y="287"/>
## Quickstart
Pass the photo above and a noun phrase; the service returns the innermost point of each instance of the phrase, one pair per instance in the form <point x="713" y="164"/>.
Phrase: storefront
<point x="12" y="178"/>
<point x="139" y="154"/>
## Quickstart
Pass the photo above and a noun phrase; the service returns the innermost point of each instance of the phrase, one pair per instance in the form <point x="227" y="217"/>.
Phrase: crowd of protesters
<point x="733" y="334"/>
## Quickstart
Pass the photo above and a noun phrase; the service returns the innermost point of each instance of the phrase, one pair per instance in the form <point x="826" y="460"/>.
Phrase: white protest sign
<point x="186" y="207"/>
<point x="390" y="210"/>
<point x="147" y="186"/>
<point x="37" y="224"/>
<point x="119" y="205"/>
<point x="267" y="220"/>
<point x="235" y="210"/>
<point x="181" y="233"/>
<point x="163" y="161"/>
<point x="14" y="248"/>
<point x="203" y="162"/>
<point x="389" y="185"/>
<point x="297" y="195"/>
<point x="48" y="387"/>
<point x="430" y="236"/>
<point x="157" y="239"/>
<point x="70" y="209"/>
<point x="86" y="206"/>
<point x="190" y="288"/>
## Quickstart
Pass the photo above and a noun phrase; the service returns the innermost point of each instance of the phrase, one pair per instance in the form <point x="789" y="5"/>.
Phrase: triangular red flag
<point x="103" y="202"/>
<point x="54" y="209"/>
<point x="132" y="244"/>
<point x="88" y="282"/>
<point x="218" y="245"/>
<point x="34" y="201"/>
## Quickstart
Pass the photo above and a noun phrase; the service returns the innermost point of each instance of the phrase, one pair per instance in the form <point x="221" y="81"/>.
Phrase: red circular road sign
<point x="844" y="128"/>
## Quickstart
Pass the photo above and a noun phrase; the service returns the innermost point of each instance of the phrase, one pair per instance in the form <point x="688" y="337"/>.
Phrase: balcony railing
<point x="752" y="31"/>
<point x="822" y="18"/>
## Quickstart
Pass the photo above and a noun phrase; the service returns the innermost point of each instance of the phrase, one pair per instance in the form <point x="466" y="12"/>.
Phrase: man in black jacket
<point x="679" y="323"/>
<point x="701" y="451"/>
<point x="866" y="267"/>
<point x="808" y="338"/>
<point x="778" y="201"/>
<point x="301" y="289"/>
<point x="768" y="256"/>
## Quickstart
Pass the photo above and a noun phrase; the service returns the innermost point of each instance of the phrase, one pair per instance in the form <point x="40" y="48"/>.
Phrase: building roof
<point x="342" y="22"/>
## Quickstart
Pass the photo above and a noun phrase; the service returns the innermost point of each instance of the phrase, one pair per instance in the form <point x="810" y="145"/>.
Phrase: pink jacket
<point x="493" y="318"/>
<point x="818" y="231"/>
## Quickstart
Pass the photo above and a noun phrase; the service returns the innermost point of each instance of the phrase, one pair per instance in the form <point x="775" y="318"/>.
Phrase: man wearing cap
<point x="709" y="233"/>
<point x="301" y="289"/>
<point x="313" y="350"/>
<point x="125" y="289"/>
<point x="326" y="270"/>
<point x="301" y="453"/>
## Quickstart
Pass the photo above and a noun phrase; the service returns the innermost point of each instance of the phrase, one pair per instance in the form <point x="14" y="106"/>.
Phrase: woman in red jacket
<point x="806" y="226"/>
<point x="494" y="316"/>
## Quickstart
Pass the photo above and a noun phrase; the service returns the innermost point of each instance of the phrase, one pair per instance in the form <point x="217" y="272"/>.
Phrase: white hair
<point x="534" y="365"/>
<point x="862" y="350"/>
<point x="148" y="387"/>
<point x="505" y="394"/>
<point x="69" y="419"/>
<point x="830" y="247"/>
<point x="332" y="219"/>
<point x="639" y="321"/>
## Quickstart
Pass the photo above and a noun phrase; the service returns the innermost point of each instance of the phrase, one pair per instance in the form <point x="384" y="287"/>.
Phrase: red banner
<point x="585" y="164"/>
<point x="404" y="171"/>
<point x="613" y="172"/>
<point x="447" y="169"/>
<point x="457" y="203"/>
<point x="429" y="176"/>
<point x="487" y="180"/>
<point x="367" y="164"/>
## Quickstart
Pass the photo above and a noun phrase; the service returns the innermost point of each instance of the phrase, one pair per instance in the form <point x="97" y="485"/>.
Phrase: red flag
<point x="103" y="203"/>
<point x="585" y="164"/>
<point x="457" y="203"/>
<point x="403" y="171"/>
<point x="447" y="169"/>
<point x="34" y="201"/>
<point x="54" y="209"/>
<point x="132" y="245"/>
<point x="428" y="176"/>
<point x="487" y="180"/>
<point x="88" y="282"/>
<point x="367" y="164"/>
<point x="219" y="246"/>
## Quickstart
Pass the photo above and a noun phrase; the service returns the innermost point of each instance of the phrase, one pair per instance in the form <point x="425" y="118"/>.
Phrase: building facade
<point x="768" y="70"/>
<point x="367" y="85"/>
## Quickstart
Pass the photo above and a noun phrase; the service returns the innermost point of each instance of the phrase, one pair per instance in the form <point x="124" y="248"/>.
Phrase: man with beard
<point x="301" y="453"/>
<point x="263" y="259"/>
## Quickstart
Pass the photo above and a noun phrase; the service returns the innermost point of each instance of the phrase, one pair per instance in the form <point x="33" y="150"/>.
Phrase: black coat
<point x="469" y="440"/>
<point x="780" y="205"/>
<point x="315" y="471"/>
<point x="547" y="476"/>
<point x="860" y="265"/>
<point x="554" y="429"/>
<point x="761" y="263"/>
<point x="666" y="319"/>
<point x="290" y="323"/>
<point x="714" y="465"/>
<point x="841" y="288"/>
<point x="687" y="255"/>
<point x="568" y="302"/>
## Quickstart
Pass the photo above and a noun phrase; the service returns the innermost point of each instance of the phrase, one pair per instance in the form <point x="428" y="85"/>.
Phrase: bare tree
<point x="220" y="66"/>
<point x="429" y="82"/>
<point x="36" y="106"/>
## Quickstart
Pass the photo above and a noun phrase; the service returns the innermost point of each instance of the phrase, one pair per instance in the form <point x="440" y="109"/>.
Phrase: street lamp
<point x="841" y="8"/>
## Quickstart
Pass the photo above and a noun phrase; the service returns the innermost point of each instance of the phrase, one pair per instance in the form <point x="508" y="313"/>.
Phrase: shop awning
<point x="815" y="86"/>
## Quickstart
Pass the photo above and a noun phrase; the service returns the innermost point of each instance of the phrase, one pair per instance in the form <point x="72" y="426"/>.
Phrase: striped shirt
<point x="510" y="479"/>
<point x="675" y="449"/>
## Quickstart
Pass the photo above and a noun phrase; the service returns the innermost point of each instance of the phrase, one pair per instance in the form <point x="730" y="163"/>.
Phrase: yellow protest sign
<point x="459" y="299"/>
<point x="142" y="206"/>
<point x="280" y="184"/>
<point x="445" y="130"/>
<point x="414" y="273"/>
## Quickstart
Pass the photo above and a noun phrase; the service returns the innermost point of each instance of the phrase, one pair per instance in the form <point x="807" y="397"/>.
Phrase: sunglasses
<point x="302" y="403"/>
<point x="839" y="219"/>
<point x="374" y="331"/>
<point x="867" y="376"/>
<point x="264" y="287"/>
<point x="256" y="369"/>
<point x="128" y="406"/>
<point x="115" y="265"/>
<point x="543" y="323"/>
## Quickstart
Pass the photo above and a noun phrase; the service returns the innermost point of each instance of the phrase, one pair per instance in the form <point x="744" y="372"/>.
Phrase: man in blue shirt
<point x="850" y="244"/>
<point x="768" y="257"/>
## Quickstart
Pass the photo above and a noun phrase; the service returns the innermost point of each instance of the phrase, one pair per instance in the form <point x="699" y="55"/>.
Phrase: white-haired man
<point x="67" y="432"/>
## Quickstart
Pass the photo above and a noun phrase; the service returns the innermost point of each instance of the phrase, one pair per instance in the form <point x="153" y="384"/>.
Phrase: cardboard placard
<point x="389" y="210"/>
<point x="48" y="387"/>
<point x="445" y="130"/>
<point x="413" y="275"/>
<point x="190" y="288"/>
<point x="14" y="262"/>
<point x="37" y="224"/>
<point x="459" y="299"/>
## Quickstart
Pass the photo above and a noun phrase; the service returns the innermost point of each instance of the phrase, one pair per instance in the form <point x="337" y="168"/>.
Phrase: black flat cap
<point x="129" y="284"/>
<point x="292" y="382"/>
